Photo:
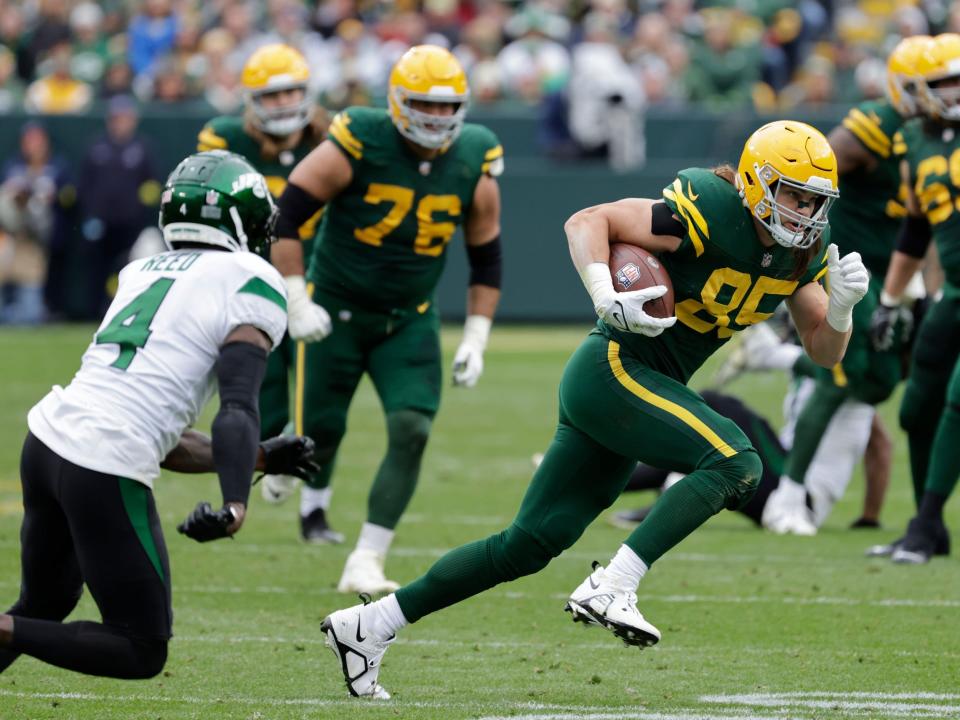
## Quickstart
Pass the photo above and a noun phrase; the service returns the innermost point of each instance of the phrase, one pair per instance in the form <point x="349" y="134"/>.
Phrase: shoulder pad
<point x="874" y="124"/>
<point x="217" y="133"/>
<point x="701" y="199"/>
<point x="481" y="142"/>
<point x="355" y="130"/>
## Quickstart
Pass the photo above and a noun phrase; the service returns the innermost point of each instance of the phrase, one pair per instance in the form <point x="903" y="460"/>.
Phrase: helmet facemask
<point x="426" y="129"/>
<point x="903" y="92"/>
<point x="281" y="120"/>
<point x="943" y="102"/>
<point x="774" y="215"/>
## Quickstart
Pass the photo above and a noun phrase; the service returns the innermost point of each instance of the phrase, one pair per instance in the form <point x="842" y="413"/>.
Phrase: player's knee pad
<point x="149" y="658"/>
<point x="516" y="553"/>
<point x="736" y="478"/>
<point x="408" y="431"/>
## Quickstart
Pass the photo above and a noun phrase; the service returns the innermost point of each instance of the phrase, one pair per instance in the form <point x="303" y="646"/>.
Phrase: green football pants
<point x="614" y="411"/>
<point x="275" y="390"/>
<point x="930" y="411"/>
<point x="401" y="353"/>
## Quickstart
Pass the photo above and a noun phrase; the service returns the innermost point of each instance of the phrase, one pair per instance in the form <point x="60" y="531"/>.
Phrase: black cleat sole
<point x="631" y="637"/>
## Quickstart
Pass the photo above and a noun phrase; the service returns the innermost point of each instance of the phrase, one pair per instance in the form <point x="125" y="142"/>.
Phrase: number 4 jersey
<point x="150" y="368"/>
<point x="724" y="279"/>
<point x="383" y="240"/>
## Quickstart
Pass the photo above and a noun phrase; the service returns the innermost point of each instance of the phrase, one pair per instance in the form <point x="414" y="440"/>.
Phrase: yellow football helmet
<point x="428" y="73"/>
<point x="940" y="63"/>
<point x="270" y="69"/>
<point x="902" y="87"/>
<point x="794" y="155"/>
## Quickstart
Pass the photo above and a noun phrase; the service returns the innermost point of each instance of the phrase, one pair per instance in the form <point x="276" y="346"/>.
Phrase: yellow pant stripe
<point x="678" y="411"/>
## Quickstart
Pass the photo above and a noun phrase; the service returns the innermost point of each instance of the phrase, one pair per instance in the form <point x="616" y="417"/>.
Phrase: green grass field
<point x="755" y="626"/>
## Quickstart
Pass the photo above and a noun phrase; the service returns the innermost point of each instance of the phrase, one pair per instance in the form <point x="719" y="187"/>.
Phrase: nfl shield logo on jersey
<point x="212" y="197"/>
<point x="766" y="260"/>
<point x="628" y="275"/>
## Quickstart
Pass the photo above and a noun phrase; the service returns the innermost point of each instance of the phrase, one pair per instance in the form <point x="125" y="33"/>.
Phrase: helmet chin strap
<point x="238" y="225"/>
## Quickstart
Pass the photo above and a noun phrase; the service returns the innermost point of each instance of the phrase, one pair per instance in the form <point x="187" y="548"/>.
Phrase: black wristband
<point x="662" y="221"/>
<point x="486" y="263"/>
<point x="296" y="207"/>
<point x="914" y="237"/>
<point x="235" y="434"/>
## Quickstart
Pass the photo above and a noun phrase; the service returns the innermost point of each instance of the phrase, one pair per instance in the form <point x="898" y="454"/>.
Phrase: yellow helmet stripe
<point x="694" y="218"/>
<point x="494" y="153"/>
<point x="868" y="131"/>
<point x="341" y="133"/>
<point x="209" y="140"/>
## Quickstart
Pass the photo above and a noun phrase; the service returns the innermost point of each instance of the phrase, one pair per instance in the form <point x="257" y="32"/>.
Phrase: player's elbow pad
<point x="662" y="221"/>
<point x="236" y="428"/>
<point x="914" y="236"/>
<point x="296" y="207"/>
<point x="486" y="263"/>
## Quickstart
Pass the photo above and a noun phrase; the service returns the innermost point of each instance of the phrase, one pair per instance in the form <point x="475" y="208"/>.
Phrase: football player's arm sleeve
<point x="486" y="263"/>
<point x="236" y="428"/>
<point x="296" y="207"/>
<point x="914" y="237"/>
<point x="664" y="222"/>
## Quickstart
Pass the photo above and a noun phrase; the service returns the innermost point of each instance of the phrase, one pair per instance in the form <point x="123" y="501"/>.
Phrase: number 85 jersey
<point x="724" y="278"/>
<point x="383" y="240"/>
<point x="149" y="370"/>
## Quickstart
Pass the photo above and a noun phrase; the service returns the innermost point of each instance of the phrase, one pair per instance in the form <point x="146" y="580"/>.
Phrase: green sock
<point x="689" y="503"/>
<point x="811" y="425"/>
<point x="407" y="433"/>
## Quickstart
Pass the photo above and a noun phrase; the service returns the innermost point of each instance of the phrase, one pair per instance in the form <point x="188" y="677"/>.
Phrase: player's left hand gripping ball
<point x="205" y="523"/>
<point x="847" y="280"/>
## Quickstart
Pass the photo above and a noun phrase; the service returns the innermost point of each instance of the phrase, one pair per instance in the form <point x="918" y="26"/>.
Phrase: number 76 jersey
<point x="149" y="370"/>
<point x="383" y="240"/>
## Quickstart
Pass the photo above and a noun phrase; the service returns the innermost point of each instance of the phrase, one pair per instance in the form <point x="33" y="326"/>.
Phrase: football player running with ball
<point x="735" y="244"/>
<point x="203" y="315"/>
<point x="280" y="125"/>
<point x="930" y="409"/>
<point x="396" y="184"/>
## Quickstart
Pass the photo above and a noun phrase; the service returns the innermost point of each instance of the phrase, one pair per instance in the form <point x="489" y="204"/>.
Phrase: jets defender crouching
<point x="204" y="313"/>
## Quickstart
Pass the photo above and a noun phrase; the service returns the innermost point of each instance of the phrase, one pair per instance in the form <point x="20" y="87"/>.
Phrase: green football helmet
<point x="217" y="198"/>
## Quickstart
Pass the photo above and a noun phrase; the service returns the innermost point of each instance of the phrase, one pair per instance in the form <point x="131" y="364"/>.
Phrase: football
<point x="633" y="268"/>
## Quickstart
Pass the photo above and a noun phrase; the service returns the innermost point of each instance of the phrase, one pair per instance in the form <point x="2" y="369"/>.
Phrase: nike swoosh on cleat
<point x="592" y="583"/>
<point x="360" y="639"/>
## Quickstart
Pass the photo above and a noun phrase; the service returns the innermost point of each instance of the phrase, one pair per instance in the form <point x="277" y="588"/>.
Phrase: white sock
<point x="386" y="615"/>
<point x="375" y="537"/>
<point x="311" y="499"/>
<point x="626" y="569"/>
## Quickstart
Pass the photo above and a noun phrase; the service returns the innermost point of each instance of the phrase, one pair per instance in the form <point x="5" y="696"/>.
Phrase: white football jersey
<point x="150" y="368"/>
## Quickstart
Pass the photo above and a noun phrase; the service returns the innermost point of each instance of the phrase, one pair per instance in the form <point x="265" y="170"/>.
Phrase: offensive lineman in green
<point x="396" y="185"/>
<point x="732" y="256"/>
<point x="866" y="218"/>
<point x="280" y="125"/>
<point x="930" y="410"/>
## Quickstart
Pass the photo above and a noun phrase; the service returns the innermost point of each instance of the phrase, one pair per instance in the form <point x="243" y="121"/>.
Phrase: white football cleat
<point x="358" y="649"/>
<point x="598" y="601"/>
<point x="277" y="488"/>
<point x="786" y="511"/>
<point x="363" y="573"/>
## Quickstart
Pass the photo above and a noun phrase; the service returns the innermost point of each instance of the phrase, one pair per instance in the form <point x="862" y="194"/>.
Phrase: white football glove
<point x="786" y="511"/>
<point x="468" y="360"/>
<point x="624" y="310"/>
<point x="306" y="320"/>
<point x="847" y="280"/>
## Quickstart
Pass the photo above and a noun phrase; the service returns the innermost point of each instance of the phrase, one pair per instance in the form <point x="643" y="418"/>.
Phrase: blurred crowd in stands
<point x="60" y="56"/>
<point x="591" y="68"/>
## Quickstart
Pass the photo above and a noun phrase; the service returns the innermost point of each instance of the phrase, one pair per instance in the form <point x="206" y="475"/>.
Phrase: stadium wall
<point x="538" y="193"/>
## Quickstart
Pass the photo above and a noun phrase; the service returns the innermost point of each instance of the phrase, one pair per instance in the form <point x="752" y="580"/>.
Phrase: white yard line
<point x="848" y="704"/>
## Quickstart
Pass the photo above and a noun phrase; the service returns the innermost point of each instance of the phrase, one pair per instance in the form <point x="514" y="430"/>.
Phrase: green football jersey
<point x="226" y="133"/>
<point x="383" y="239"/>
<point x="724" y="279"/>
<point x="866" y="217"/>
<point x="933" y="154"/>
